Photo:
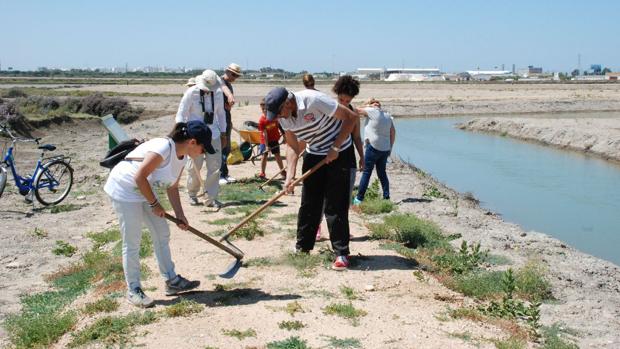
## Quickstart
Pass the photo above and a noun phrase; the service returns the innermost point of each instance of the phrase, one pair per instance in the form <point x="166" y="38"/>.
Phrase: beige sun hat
<point x="234" y="68"/>
<point x="191" y="82"/>
<point x="207" y="81"/>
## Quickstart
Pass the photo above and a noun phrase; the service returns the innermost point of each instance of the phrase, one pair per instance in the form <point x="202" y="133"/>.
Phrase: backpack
<point x="119" y="152"/>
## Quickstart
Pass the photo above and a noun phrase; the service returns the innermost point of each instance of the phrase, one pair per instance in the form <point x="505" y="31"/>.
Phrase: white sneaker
<point x="223" y="181"/>
<point x="193" y="201"/>
<point x="139" y="299"/>
<point x="230" y="179"/>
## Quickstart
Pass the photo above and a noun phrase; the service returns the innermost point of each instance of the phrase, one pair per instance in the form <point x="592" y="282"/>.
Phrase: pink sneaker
<point x="341" y="263"/>
<point x="318" y="233"/>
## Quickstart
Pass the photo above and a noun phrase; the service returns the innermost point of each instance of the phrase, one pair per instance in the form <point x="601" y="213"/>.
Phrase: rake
<point x="271" y="201"/>
<point x="231" y="249"/>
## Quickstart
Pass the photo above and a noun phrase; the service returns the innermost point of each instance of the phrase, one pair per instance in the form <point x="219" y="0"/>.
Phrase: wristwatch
<point x="335" y="148"/>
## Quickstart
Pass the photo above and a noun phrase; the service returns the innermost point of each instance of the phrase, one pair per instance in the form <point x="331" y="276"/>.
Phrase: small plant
<point x="294" y="307"/>
<point x="240" y="335"/>
<point x="250" y="231"/>
<point x="14" y="92"/>
<point x="343" y="343"/>
<point x="376" y="206"/>
<point x="465" y="260"/>
<point x="348" y="293"/>
<point x="291" y="325"/>
<point x="104" y="305"/>
<point x="512" y="308"/>
<point x="105" y="237"/>
<point x="258" y="262"/>
<point x="183" y="308"/>
<point x="39" y="232"/>
<point x="289" y="343"/>
<point x="419" y="275"/>
<point x="552" y="337"/>
<point x="64" y="208"/>
<point x="347" y="311"/>
<point x="372" y="193"/>
<point x="434" y="192"/>
<point x="112" y="329"/>
<point x="64" y="249"/>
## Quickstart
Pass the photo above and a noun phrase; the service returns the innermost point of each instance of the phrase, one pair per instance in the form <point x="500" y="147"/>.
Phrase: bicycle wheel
<point x="3" y="176"/>
<point x="53" y="182"/>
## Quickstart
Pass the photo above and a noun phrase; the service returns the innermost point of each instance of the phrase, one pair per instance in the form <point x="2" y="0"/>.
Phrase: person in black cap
<point x="132" y="184"/>
<point x="312" y="118"/>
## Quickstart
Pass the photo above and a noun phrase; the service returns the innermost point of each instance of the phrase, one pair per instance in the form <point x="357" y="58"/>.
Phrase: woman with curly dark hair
<point x="346" y="88"/>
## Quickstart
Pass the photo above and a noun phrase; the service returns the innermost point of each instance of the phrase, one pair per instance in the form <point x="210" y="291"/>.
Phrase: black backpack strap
<point x="202" y="100"/>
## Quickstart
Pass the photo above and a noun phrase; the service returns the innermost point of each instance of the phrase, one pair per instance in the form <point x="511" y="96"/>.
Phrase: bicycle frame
<point x="26" y="184"/>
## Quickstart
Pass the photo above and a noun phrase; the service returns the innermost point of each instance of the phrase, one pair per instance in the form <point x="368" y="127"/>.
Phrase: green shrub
<point x="112" y="329"/>
<point x="434" y="192"/>
<point x="64" y="249"/>
<point x="289" y="343"/>
<point x="464" y="260"/>
<point x="531" y="283"/>
<point x="372" y="193"/>
<point x="347" y="311"/>
<point x="291" y="325"/>
<point x="14" y="92"/>
<point x="240" y="335"/>
<point x="183" y="308"/>
<point x="376" y="206"/>
<point x="105" y="237"/>
<point x="104" y="305"/>
<point x="409" y="230"/>
<point x="480" y="284"/>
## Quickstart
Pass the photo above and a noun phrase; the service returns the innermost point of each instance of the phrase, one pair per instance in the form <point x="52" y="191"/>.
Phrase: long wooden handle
<point x="273" y="199"/>
<point x="204" y="236"/>
<point x="277" y="174"/>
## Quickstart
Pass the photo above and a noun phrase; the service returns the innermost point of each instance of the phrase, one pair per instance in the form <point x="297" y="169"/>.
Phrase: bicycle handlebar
<point x="18" y="139"/>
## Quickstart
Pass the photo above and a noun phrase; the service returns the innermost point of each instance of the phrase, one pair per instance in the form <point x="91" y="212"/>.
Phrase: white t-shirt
<point x="121" y="185"/>
<point x="314" y="123"/>
<point x="377" y="129"/>
<point x="190" y="108"/>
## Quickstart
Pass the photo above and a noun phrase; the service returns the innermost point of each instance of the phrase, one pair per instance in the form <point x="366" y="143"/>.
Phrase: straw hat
<point x="208" y="81"/>
<point x="191" y="82"/>
<point x="234" y="68"/>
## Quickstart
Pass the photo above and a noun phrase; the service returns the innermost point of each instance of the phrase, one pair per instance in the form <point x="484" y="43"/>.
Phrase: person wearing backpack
<point x="205" y="101"/>
<point x="155" y="165"/>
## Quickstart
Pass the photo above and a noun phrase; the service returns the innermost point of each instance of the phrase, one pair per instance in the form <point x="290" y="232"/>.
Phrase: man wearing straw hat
<point x="232" y="72"/>
<point x="205" y="101"/>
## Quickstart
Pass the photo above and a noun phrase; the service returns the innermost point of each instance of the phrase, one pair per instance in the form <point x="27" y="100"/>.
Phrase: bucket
<point x="246" y="150"/>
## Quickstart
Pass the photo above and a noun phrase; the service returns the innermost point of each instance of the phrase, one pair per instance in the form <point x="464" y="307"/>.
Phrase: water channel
<point x="571" y="196"/>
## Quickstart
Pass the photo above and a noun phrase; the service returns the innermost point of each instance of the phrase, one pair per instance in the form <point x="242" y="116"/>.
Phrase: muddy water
<point x="569" y="195"/>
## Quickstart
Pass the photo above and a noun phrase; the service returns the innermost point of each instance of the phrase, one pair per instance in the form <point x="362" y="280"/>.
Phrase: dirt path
<point x="402" y="311"/>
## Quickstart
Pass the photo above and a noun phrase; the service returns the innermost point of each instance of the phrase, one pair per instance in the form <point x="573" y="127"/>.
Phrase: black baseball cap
<point x="202" y="133"/>
<point x="274" y="101"/>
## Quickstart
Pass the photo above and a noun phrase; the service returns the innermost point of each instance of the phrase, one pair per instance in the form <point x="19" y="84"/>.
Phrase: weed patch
<point x="372" y="193"/>
<point x="259" y="262"/>
<point x="240" y="335"/>
<point x="291" y="325"/>
<point x="376" y="206"/>
<point x="434" y="192"/>
<point x="183" y="308"/>
<point x="64" y="249"/>
<point x="64" y="208"/>
<point x="347" y="311"/>
<point x="349" y="293"/>
<point x="104" y="305"/>
<point x="552" y="337"/>
<point x="39" y="232"/>
<point x="289" y="343"/>
<point x="112" y="330"/>
<point x="104" y="237"/>
<point x="343" y="343"/>
<point x="250" y="231"/>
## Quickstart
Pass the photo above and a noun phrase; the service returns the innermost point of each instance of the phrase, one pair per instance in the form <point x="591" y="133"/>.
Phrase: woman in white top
<point x="157" y="163"/>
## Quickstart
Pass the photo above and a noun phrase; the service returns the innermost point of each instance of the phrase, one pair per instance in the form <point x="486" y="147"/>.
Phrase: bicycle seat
<point x="48" y="147"/>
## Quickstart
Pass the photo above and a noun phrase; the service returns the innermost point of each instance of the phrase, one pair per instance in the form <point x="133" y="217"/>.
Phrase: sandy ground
<point x="600" y="136"/>
<point x="403" y="312"/>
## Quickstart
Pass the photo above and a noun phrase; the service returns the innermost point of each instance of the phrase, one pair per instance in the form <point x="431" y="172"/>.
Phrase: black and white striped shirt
<point x="314" y="123"/>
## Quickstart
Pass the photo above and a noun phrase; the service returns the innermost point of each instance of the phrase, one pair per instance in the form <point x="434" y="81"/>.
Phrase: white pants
<point x="131" y="215"/>
<point x="211" y="184"/>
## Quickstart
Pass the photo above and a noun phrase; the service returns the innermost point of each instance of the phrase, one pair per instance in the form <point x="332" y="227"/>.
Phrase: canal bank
<point x="586" y="289"/>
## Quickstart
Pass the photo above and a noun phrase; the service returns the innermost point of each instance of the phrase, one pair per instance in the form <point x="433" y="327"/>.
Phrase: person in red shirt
<point x="269" y="137"/>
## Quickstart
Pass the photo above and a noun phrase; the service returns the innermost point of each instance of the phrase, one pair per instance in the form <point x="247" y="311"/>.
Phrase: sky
<point x="318" y="35"/>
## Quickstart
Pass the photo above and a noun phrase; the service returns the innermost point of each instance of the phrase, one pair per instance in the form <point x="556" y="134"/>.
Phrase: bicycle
<point x="51" y="179"/>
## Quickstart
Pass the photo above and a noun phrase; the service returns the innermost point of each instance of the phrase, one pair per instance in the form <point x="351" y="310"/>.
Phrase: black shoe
<point x="180" y="284"/>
